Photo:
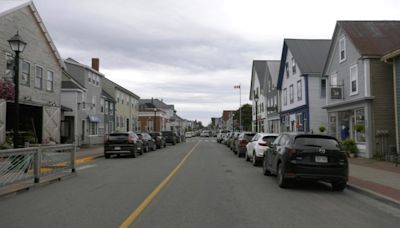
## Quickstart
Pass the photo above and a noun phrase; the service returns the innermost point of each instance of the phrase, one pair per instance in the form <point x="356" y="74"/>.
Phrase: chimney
<point x="96" y="64"/>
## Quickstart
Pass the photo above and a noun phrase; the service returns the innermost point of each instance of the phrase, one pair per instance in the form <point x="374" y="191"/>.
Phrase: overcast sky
<point x="191" y="53"/>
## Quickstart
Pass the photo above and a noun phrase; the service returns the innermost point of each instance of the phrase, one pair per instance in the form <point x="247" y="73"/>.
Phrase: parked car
<point x="170" y="137"/>
<point x="228" y="138"/>
<point x="240" y="144"/>
<point x="232" y="142"/>
<point x="304" y="156"/>
<point x="221" y="134"/>
<point x="122" y="143"/>
<point x="148" y="142"/>
<point x="256" y="148"/>
<point x="205" y="133"/>
<point x="188" y="134"/>
<point x="159" y="138"/>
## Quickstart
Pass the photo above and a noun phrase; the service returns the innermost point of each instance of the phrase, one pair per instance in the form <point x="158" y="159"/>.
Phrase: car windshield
<point x="248" y="137"/>
<point x="322" y="142"/>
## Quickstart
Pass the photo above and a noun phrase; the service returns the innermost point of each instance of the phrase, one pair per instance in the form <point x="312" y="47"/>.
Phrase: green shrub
<point x="350" y="146"/>
<point x="322" y="129"/>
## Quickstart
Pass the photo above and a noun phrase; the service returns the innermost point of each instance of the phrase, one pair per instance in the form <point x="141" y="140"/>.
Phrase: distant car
<point x="241" y="143"/>
<point x="122" y="143"/>
<point x="170" y="137"/>
<point x="205" y="133"/>
<point x="232" y="142"/>
<point x="159" y="138"/>
<point x="188" y="134"/>
<point x="303" y="156"/>
<point x="148" y="142"/>
<point x="221" y="135"/>
<point x="256" y="148"/>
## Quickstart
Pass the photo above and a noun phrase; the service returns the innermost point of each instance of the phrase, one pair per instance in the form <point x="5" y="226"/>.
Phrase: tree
<point x="246" y="117"/>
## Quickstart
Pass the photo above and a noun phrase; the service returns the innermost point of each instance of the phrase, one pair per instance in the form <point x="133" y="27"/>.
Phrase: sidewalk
<point x="377" y="179"/>
<point x="93" y="151"/>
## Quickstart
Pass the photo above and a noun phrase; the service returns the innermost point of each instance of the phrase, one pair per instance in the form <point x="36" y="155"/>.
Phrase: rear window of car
<point x="117" y="136"/>
<point x="167" y="132"/>
<point x="324" y="142"/>
<point x="269" y="139"/>
<point x="248" y="137"/>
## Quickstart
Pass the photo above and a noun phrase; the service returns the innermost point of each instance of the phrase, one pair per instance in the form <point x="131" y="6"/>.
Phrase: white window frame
<point x="342" y="48"/>
<point x="356" y="80"/>
<point x="291" y="94"/>
<point x="83" y="101"/>
<point x="89" y="77"/>
<point x="50" y="81"/>
<point x="41" y="83"/>
<point x="331" y="77"/>
<point x="299" y="90"/>
<point x="285" y="96"/>
<point x="29" y="73"/>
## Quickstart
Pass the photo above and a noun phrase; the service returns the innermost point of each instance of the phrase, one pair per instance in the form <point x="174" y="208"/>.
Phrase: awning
<point x="93" y="118"/>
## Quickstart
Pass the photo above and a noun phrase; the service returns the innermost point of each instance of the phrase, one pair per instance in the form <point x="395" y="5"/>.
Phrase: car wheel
<point x="339" y="186"/>
<point x="266" y="172"/>
<point x="133" y="153"/>
<point x="254" y="159"/>
<point x="246" y="157"/>
<point x="107" y="156"/>
<point x="282" y="181"/>
<point x="239" y="154"/>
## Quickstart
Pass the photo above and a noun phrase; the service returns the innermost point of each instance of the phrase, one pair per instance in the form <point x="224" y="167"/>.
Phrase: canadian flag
<point x="236" y="87"/>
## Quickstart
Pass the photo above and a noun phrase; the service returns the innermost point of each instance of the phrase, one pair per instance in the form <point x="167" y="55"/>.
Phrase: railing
<point x="33" y="163"/>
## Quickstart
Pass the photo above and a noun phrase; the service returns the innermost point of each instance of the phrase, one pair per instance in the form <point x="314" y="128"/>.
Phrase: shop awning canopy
<point x="93" y="118"/>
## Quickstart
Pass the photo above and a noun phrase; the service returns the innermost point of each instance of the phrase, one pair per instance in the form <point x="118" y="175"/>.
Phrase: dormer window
<point x="342" y="49"/>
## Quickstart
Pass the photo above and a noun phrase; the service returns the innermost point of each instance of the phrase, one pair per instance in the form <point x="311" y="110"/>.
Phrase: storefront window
<point x="359" y="126"/>
<point x="332" y="125"/>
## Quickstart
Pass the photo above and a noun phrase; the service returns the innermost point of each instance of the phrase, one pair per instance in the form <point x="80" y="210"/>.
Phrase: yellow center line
<point x="155" y="192"/>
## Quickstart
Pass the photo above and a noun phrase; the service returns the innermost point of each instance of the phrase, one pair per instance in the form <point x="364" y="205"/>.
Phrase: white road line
<point x="85" y="167"/>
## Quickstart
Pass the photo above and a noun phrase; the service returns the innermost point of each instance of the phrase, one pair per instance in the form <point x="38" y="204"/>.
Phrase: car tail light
<point x="293" y="151"/>
<point x="243" y="142"/>
<point x="130" y="139"/>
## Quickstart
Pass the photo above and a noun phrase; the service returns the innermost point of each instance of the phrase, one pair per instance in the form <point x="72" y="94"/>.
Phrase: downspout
<point x="307" y="103"/>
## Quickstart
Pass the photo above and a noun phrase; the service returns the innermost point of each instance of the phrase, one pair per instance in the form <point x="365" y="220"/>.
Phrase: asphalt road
<point x="212" y="188"/>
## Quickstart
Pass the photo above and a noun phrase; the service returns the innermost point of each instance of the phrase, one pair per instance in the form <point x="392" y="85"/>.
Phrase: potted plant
<point x="322" y="129"/>
<point x="358" y="128"/>
<point x="350" y="147"/>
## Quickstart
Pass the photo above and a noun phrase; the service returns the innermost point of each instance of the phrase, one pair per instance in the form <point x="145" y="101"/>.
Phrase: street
<point x="211" y="188"/>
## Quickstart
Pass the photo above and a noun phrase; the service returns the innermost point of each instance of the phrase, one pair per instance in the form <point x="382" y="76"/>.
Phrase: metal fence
<point x="33" y="163"/>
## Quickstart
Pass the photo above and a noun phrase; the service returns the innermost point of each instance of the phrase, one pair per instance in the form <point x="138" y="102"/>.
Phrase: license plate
<point x="117" y="148"/>
<point x="321" y="159"/>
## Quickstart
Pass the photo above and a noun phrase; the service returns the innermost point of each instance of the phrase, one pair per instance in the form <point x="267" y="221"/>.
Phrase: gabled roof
<point x="116" y="86"/>
<point x="106" y="95"/>
<point x="157" y="103"/>
<point x="372" y="38"/>
<point x="76" y="63"/>
<point x="7" y="7"/>
<point x="310" y="56"/>
<point x="273" y="68"/>
<point x="71" y="83"/>
<point x="258" y="68"/>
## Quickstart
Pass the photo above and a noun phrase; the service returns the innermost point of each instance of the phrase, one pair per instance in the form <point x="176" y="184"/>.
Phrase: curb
<point x="374" y="195"/>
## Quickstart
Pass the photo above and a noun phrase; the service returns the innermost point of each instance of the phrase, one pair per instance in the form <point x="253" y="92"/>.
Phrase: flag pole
<point x="240" y="107"/>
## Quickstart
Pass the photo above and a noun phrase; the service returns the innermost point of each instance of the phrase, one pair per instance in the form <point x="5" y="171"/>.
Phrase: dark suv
<point x="304" y="156"/>
<point x="159" y="138"/>
<point x="170" y="137"/>
<point x="122" y="143"/>
<point x="148" y="142"/>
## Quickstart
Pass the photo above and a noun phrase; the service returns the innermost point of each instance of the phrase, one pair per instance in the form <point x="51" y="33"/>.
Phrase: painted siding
<point x="292" y="80"/>
<point x="318" y="116"/>
<point x="382" y="90"/>
<point x="342" y="69"/>
<point x="396" y="71"/>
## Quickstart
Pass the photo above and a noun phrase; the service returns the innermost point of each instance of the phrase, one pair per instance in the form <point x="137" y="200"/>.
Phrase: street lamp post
<point x="18" y="46"/>
<point x="155" y="115"/>
<point x="256" y="100"/>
